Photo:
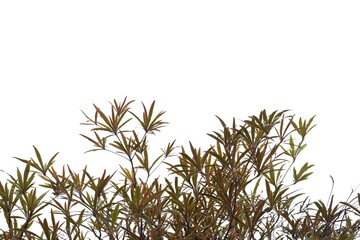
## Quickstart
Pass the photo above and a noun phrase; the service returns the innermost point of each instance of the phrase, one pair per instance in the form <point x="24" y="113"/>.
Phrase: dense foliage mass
<point x="244" y="186"/>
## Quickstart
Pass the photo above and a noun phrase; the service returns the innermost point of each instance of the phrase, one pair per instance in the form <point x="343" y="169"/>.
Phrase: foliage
<point x="244" y="186"/>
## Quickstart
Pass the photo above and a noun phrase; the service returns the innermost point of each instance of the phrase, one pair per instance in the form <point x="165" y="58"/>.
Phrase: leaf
<point x="301" y="175"/>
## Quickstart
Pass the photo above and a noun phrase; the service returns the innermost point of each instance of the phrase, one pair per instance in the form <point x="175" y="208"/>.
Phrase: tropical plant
<point x="245" y="185"/>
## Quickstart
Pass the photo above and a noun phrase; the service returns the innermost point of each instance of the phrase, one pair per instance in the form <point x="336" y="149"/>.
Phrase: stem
<point x="331" y="191"/>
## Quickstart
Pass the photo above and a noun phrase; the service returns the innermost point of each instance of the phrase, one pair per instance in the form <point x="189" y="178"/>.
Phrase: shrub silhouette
<point x="244" y="186"/>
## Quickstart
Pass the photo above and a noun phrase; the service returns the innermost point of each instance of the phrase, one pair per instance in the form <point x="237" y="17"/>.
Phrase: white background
<point x="197" y="59"/>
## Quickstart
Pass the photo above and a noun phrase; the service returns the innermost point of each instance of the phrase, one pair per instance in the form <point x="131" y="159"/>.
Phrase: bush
<point x="244" y="186"/>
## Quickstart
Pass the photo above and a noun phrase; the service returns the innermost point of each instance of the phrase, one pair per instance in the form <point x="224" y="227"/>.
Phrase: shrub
<point x="244" y="186"/>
